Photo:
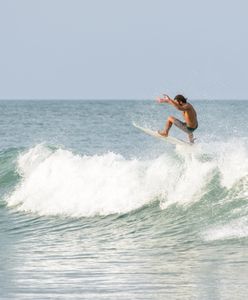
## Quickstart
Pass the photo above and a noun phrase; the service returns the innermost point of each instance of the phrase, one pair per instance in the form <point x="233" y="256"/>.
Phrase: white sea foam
<point x="58" y="182"/>
<point x="232" y="162"/>
<point x="235" y="229"/>
<point x="231" y="159"/>
<point x="64" y="183"/>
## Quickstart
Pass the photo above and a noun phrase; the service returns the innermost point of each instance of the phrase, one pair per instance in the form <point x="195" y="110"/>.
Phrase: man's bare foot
<point x="192" y="141"/>
<point x="191" y="138"/>
<point x="162" y="133"/>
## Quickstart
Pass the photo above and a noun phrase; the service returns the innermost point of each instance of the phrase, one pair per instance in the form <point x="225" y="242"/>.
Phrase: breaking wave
<point x="59" y="182"/>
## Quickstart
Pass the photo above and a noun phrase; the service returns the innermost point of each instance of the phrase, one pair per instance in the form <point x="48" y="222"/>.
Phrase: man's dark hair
<point x="180" y="98"/>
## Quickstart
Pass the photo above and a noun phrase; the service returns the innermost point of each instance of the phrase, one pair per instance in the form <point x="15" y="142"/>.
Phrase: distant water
<point x="92" y="208"/>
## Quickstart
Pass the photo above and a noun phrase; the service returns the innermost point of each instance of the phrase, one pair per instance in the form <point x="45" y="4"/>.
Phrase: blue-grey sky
<point x="123" y="49"/>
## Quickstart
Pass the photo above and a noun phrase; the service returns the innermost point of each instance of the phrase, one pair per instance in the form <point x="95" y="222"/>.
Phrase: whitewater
<point x="91" y="207"/>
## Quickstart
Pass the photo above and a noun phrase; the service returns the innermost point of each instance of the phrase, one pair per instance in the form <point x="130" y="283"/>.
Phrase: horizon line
<point x="113" y="99"/>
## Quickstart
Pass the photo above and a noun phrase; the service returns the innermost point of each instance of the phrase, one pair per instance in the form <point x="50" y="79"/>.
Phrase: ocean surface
<point x="92" y="208"/>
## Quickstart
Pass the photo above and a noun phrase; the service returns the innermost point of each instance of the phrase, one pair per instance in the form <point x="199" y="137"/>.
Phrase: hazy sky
<point x="123" y="49"/>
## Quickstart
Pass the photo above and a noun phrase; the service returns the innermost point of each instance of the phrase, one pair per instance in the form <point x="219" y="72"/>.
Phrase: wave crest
<point x="59" y="182"/>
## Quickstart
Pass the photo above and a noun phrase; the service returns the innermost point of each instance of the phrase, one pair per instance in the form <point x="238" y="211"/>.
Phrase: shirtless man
<point x="189" y="115"/>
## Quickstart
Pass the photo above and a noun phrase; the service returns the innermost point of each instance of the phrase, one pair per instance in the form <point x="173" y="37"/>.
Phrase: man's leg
<point x="191" y="138"/>
<point x="167" y="127"/>
<point x="181" y="125"/>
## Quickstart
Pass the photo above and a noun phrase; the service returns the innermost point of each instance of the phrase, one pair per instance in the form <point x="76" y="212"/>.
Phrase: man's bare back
<point x="190" y="116"/>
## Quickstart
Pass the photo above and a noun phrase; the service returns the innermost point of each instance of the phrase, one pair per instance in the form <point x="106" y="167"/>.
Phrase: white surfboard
<point x="169" y="139"/>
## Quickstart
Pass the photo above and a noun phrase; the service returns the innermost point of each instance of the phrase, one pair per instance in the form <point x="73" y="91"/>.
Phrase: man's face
<point x="179" y="102"/>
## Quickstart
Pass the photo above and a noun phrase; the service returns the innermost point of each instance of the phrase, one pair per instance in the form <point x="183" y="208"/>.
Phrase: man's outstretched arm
<point x="167" y="99"/>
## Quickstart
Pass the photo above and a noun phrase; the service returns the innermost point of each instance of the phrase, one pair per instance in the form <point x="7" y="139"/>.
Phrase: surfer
<point x="189" y="115"/>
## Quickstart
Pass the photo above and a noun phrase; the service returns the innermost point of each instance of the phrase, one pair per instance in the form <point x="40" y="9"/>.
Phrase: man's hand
<point x="160" y="100"/>
<point x="165" y="99"/>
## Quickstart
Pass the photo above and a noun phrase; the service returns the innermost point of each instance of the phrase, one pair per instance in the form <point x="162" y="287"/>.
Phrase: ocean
<point x="92" y="208"/>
